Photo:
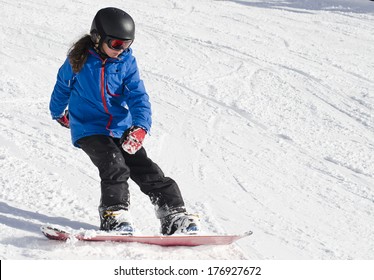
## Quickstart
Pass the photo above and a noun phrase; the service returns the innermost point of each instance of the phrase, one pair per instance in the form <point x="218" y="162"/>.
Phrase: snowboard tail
<point x="62" y="234"/>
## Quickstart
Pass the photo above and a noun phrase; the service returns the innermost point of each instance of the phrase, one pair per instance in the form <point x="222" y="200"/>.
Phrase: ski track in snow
<point x="263" y="113"/>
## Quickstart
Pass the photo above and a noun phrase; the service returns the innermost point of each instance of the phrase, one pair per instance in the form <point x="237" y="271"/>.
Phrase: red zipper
<point x="111" y="94"/>
<point x="102" y="91"/>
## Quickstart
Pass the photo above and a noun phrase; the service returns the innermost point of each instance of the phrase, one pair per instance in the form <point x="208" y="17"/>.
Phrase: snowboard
<point x="63" y="234"/>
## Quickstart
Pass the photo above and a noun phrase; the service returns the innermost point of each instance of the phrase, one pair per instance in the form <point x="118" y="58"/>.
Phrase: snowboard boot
<point x="115" y="219"/>
<point x="180" y="223"/>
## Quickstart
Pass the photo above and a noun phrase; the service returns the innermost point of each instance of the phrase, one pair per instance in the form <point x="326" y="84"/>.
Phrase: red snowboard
<point x="57" y="233"/>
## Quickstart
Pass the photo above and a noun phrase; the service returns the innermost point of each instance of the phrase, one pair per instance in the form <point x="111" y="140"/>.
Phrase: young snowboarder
<point x="109" y="115"/>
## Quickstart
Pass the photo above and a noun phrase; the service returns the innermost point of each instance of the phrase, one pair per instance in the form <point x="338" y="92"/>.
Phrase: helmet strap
<point x="98" y="42"/>
<point x="95" y="37"/>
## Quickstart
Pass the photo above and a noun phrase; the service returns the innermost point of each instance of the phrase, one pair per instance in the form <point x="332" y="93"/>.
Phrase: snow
<point x="263" y="113"/>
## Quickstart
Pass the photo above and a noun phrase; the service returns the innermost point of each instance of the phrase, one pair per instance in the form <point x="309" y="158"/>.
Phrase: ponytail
<point x="78" y="53"/>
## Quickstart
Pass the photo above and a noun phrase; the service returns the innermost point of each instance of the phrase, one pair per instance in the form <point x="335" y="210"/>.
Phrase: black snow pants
<point x="116" y="167"/>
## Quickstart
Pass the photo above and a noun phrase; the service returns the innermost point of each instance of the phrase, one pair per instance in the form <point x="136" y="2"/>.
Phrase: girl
<point x="109" y="116"/>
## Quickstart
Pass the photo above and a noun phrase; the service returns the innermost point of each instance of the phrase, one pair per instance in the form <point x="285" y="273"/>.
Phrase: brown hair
<point x="78" y="53"/>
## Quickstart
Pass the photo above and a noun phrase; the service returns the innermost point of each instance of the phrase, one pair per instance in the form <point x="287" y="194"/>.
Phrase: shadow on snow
<point x="25" y="220"/>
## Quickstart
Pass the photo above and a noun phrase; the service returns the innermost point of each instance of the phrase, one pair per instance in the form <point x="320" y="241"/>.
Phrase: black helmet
<point x="114" y="23"/>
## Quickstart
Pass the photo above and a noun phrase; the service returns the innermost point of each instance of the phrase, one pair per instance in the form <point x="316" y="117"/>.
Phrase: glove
<point x="132" y="139"/>
<point x="64" y="120"/>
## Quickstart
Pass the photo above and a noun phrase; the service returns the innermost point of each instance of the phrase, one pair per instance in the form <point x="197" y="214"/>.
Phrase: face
<point x="111" y="52"/>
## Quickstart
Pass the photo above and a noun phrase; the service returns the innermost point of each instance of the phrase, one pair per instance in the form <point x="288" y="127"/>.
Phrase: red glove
<point x="132" y="139"/>
<point x="64" y="120"/>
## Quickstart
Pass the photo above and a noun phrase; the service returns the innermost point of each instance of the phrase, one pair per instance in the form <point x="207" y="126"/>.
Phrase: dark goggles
<point x="116" y="44"/>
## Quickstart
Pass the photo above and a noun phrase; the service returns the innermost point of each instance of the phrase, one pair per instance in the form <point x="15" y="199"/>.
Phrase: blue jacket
<point x="106" y="97"/>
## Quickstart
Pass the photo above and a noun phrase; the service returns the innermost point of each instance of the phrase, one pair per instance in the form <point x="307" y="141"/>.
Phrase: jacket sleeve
<point x="137" y="98"/>
<point x="61" y="92"/>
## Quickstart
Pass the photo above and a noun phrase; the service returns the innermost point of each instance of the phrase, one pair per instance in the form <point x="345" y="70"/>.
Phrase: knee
<point x="114" y="168"/>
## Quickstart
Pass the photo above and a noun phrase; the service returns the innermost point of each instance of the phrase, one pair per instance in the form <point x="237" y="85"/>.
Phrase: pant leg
<point x="113" y="171"/>
<point x="163" y="191"/>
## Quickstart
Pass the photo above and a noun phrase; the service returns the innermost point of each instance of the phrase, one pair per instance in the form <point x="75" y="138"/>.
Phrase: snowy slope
<point x="263" y="113"/>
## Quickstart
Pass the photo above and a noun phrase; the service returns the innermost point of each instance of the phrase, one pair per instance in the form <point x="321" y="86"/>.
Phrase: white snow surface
<point x="262" y="110"/>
